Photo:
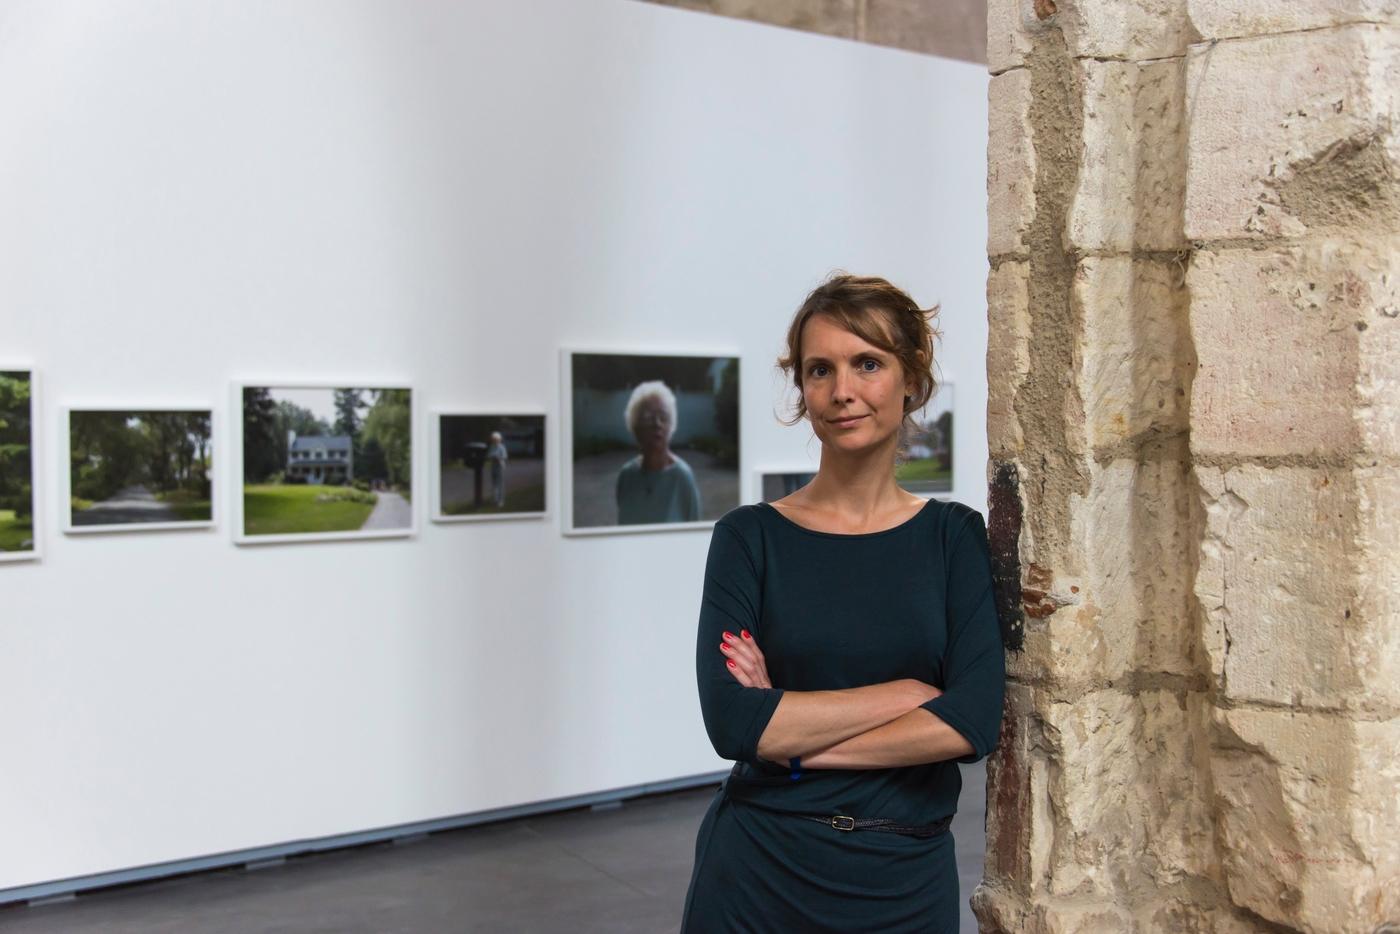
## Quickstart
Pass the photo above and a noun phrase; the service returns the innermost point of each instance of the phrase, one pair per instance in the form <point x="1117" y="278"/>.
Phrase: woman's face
<point x="854" y="390"/>
<point x="652" y="426"/>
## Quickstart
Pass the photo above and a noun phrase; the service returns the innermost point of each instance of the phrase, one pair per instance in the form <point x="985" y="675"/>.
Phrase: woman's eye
<point x="817" y="370"/>
<point x="873" y="365"/>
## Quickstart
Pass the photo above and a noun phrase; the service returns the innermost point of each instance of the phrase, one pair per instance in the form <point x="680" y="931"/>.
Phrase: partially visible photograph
<point x="140" y="469"/>
<point x="17" y="541"/>
<point x="773" y="485"/>
<point x="490" y="466"/>
<point x="654" y="440"/>
<point x="326" y="462"/>
<point x="926" y="465"/>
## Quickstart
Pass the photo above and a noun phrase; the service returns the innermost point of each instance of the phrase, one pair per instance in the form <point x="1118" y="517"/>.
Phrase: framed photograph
<point x="138" y="469"/>
<point x="927" y="466"/>
<point x="323" y="462"/>
<point x="19" y="445"/>
<point x="775" y="484"/>
<point x="488" y="466"/>
<point x="651" y="441"/>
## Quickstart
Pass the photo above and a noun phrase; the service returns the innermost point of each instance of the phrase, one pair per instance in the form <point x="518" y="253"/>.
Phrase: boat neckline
<point x="894" y="528"/>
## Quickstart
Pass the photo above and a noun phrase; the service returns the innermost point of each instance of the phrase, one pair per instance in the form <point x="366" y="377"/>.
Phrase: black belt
<point x="846" y="823"/>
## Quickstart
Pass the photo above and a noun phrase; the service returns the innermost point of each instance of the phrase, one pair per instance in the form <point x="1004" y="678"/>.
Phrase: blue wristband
<point x="795" y="767"/>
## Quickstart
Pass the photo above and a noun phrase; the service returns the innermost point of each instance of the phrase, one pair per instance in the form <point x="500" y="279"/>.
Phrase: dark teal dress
<point x="833" y="611"/>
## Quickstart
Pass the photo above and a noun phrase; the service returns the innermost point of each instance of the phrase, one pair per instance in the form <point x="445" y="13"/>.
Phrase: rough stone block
<point x="1131" y="808"/>
<point x="1278" y="585"/>
<point x="1010" y="163"/>
<point x="1131" y="30"/>
<point x="1130" y="189"/>
<point x="1008" y="353"/>
<point x="1296" y="349"/>
<point x="1136" y="359"/>
<point x="1019" y="823"/>
<point x="1225" y="19"/>
<point x="1125" y="606"/>
<point x="1293" y="134"/>
<point x="1308" y="816"/>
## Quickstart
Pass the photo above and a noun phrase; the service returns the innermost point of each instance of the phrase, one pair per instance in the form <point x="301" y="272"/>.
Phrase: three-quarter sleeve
<point x="735" y="716"/>
<point x="974" y="663"/>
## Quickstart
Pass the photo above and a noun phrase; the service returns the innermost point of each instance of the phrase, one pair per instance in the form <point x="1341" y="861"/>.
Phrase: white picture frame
<point x="237" y="488"/>
<point x="37" y="487"/>
<point x="567" y="427"/>
<point x="760" y="473"/>
<point x="435" y="480"/>
<point x="65" y="473"/>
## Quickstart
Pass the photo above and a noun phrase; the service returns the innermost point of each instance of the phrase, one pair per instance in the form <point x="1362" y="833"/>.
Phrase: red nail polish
<point x="746" y="634"/>
<point x="729" y="637"/>
<point x="731" y="663"/>
<point x="724" y="645"/>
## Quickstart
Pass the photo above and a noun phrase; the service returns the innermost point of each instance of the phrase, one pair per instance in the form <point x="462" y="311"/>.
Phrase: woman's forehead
<point x="823" y="336"/>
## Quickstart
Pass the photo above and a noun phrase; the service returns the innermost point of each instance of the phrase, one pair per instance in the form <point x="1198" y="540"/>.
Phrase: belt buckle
<point x="841" y="822"/>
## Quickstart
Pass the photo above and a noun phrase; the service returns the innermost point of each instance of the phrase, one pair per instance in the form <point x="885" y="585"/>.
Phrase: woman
<point x="849" y="655"/>
<point x="656" y="485"/>
<point x="497" y="456"/>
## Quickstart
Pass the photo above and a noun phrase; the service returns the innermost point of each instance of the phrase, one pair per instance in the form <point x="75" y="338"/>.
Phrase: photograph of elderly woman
<point x="16" y="465"/>
<point x="326" y="460"/>
<point x="925" y="462"/>
<point x="490" y="465"/>
<point x="139" y="468"/>
<point x="655" y="439"/>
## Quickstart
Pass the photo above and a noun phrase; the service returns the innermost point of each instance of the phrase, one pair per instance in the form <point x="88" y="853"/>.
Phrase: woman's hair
<point x="878" y="313"/>
<point x="652" y="389"/>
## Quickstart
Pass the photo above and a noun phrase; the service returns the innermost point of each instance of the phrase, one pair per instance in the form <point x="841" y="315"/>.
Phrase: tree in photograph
<point x="944" y="426"/>
<point x="110" y="451"/>
<point x="261" y="444"/>
<point x="389" y="426"/>
<point x="16" y="467"/>
<point x="348" y="403"/>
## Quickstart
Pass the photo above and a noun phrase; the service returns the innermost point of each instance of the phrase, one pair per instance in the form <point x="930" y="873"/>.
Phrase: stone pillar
<point x="1193" y="427"/>
<point x="1293" y="210"/>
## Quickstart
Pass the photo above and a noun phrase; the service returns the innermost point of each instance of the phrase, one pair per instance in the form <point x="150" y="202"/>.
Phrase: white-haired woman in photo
<point x="656" y="485"/>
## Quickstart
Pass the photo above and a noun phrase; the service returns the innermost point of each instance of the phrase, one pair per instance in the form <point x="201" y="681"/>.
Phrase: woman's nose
<point x="841" y="386"/>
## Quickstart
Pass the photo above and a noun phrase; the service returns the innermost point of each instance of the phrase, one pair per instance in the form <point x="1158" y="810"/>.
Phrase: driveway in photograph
<point x="595" y="486"/>
<point x="131" y="504"/>
<point x="459" y="483"/>
<point x="392" y="511"/>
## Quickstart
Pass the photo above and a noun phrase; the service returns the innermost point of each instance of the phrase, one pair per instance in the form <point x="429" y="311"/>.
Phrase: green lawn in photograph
<point x="525" y="499"/>
<point x="15" y="532"/>
<point x="190" y="507"/>
<point x="922" y="470"/>
<point x="273" y="509"/>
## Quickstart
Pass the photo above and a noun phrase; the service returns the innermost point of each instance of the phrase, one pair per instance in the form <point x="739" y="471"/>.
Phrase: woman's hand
<point x="745" y="661"/>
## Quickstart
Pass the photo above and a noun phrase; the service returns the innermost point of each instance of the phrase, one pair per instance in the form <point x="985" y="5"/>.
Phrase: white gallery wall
<point x="444" y="194"/>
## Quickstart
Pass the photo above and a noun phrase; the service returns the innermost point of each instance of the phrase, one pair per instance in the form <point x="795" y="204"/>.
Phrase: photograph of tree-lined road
<point x="139" y="467"/>
<point x="16" y="465"/>
<point x="326" y="460"/>
<point x="926" y="464"/>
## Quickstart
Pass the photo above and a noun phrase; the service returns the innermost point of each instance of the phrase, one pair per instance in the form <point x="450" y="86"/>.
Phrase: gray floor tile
<point x="615" y="871"/>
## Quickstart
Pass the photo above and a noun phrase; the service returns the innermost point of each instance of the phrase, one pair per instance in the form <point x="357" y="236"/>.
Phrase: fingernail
<point x="746" y="634"/>
<point x="729" y="637"/>
<point x="731" y="664"/>
<point x="724" y="646"/>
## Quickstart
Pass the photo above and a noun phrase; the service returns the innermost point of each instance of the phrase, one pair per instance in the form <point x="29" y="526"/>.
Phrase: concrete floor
<point x="617" y="870"/>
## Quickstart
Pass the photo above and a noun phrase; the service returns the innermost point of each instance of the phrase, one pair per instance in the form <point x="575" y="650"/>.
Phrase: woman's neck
<point x="859" y="485"/>
<point x="657" y="460"/>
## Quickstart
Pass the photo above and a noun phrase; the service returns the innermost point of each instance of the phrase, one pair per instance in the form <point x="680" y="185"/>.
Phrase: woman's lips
<point x="847" y="422"/>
